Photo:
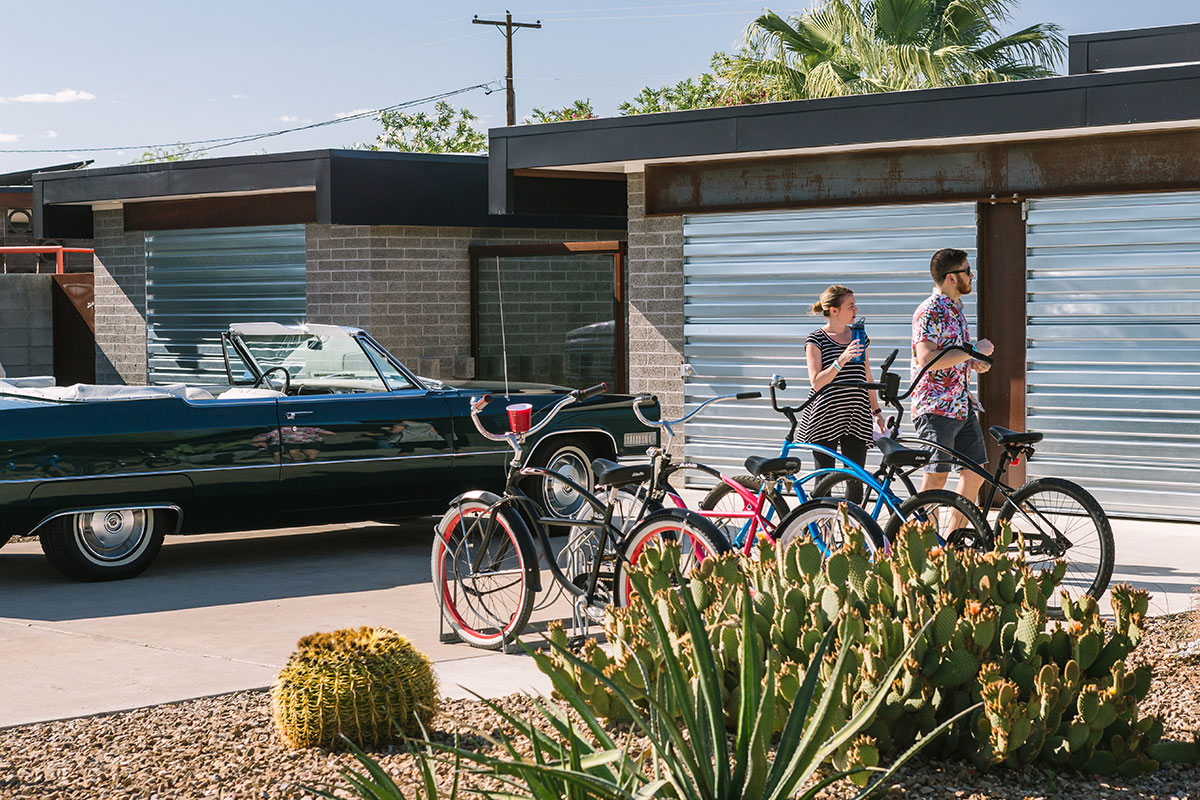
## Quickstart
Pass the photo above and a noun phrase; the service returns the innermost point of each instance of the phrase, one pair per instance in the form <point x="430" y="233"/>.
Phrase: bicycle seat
<point x="897" y="455"/>
<point x="1005" y="437"/>
<point x="761" y="467"/>
<point x="610" y="473"/>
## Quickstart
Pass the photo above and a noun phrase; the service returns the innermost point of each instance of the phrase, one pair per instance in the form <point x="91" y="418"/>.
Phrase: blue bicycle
<point x="954" y="516"/>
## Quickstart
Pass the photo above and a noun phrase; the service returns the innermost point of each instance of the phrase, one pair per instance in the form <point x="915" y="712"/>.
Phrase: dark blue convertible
<point x="318" y="424"/>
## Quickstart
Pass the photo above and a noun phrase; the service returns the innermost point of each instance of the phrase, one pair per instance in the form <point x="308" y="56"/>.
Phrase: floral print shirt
<point x="944" y="392"/>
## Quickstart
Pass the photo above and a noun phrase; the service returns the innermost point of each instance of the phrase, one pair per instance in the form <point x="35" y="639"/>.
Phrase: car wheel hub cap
<point x="112" y="535"/>
<point x="562" y="499"/>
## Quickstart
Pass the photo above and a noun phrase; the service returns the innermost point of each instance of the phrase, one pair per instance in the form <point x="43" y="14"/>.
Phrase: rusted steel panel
<point x="1001" y="268"/>
<point x="1161" y="160"/>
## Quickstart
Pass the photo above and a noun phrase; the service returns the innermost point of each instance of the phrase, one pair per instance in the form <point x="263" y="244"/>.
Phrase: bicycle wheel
<point x="1059" y="519"/>
<point x="489" y="602"/>
<point x="848" y="489"/>
<point x="722" y="499"/>
<point x="697" y="537"/>
<point x="958" y="521"/>
<point x="821" y="519"/>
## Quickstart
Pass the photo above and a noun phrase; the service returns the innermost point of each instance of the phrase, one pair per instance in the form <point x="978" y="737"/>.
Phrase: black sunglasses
<point x="956" y="271"/>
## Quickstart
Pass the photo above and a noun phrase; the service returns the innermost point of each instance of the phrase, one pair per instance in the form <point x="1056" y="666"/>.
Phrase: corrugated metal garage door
<point x="749" y="280"/>
<point x="199" y="281"/>
<point x="1114" y="348"/>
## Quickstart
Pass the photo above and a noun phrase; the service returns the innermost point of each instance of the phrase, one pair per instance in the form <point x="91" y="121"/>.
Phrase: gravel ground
<point x="225" y="747"/>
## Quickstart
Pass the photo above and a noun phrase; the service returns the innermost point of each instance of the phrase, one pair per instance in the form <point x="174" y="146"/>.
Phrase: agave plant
<point x="709" y="763"/>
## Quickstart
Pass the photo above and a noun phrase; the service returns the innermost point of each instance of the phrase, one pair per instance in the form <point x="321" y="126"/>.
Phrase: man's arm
<point x="927" y="350"/>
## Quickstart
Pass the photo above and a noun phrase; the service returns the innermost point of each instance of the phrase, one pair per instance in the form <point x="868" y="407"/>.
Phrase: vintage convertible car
<point x="318" y="424"/>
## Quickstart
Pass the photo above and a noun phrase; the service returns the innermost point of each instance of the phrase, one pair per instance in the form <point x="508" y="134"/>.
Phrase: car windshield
<point x="328" y="360"/>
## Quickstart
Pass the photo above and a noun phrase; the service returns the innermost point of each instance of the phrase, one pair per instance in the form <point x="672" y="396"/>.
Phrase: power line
<point x="230" y="141"/>
<point x="643" y="7"/>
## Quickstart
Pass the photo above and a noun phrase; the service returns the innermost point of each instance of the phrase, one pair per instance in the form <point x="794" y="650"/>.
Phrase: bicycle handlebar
<point x="591" y="391"/>
<point x="962" y="348"/>
<point x="649" y="399"/>
<point x="514" y="439"/>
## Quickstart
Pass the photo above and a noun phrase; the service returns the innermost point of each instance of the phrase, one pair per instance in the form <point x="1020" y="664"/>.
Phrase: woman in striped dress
<point x="841" y="418"/>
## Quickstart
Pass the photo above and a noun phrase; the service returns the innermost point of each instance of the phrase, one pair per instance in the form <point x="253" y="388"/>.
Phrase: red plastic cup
<point x="519" y="417"/>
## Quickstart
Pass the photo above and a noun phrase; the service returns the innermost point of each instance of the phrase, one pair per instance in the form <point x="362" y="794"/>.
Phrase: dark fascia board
<point x="1017" y="107"/>
<point x="353" y="187"/>
<point x="430" y="190"/>
<point x="237" y="174"/>
<point x="1169" y="44"/>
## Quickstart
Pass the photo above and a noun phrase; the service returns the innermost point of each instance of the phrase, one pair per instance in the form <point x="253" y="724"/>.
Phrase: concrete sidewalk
<point x="222" y="613"/>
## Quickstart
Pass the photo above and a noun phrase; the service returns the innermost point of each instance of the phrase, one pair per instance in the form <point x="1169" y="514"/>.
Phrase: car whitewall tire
<point x="108" y="544"/>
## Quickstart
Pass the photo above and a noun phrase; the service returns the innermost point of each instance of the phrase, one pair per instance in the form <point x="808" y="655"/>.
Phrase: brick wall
<point x="409" y="286"/>
<point x="120" y="269"/>
<point x="655" y="291"/>
<point x="26" y="325"/>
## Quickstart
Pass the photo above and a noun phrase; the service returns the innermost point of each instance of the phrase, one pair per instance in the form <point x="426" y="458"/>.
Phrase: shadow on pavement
<point x="205" y="571"/>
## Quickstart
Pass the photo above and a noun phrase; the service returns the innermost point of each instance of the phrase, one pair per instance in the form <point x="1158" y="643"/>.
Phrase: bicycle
<point x="1055" y="518"/>
<point x="924" y="508"/>
<point x="485" y="563"/>
<point x="819" y="518"/>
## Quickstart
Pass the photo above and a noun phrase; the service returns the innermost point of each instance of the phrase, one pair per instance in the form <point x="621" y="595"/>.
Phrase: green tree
<point x="180" y="152"/>
<point x="844" y="47"/>
<point x="445" y="131"/>
<point x="580" y="109"/>
<point x="722" y="85"/>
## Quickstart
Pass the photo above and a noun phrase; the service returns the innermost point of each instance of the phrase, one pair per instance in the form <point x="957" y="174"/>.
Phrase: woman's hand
<point x="852" y="351"/>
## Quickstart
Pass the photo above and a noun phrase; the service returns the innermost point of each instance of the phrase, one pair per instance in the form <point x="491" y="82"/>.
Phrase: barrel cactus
<point x="369" y="684"/>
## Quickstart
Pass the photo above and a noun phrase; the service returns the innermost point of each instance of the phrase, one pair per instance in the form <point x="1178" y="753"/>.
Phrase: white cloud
<point x="239" y="96"/>
<point x="50" y="135"/>
<point x="353" y="113"/>
<point x="289" y="118"/>
<point x="65" y="96"/>
<point x="9" y="137"/>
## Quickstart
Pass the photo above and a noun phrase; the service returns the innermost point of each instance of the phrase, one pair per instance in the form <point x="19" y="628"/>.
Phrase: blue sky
<point x="125" y="74"/>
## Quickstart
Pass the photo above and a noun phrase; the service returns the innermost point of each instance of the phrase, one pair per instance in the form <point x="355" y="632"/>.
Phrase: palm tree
<point x="844" y="47"/>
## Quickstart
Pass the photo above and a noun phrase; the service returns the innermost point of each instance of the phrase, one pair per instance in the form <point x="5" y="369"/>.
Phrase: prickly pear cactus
<point x="1057" y="693"/>
<point x="369" y="684"/>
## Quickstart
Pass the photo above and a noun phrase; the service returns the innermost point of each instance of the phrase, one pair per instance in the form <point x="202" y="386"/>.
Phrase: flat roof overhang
<point x="1147" y="99"/>
<point x="341" y="187"/>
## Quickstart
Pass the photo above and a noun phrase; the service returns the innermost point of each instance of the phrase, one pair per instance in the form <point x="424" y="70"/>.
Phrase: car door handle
<point x="294" y="414"/>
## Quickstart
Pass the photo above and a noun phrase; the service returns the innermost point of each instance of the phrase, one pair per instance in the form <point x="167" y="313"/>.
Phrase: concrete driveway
<point x="221" y="613"/>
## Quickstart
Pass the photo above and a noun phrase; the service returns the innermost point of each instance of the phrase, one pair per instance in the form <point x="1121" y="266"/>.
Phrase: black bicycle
<point x="1054" y="518"/>
<point x="486" y="565"/>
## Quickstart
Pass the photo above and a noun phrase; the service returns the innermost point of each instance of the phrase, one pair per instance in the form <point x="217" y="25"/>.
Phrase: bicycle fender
<point x="529" y="554"/>
<point x="700" y="521"/>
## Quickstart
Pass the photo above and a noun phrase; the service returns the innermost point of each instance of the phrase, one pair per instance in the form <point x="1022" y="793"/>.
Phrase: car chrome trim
<point x="377" y="459"/>
<point x="124" y="507"/>
<point x="98" y="475"/>
<point x="552" y="435"/>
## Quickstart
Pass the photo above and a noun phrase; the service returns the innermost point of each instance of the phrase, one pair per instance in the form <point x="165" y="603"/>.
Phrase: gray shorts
<point x="963" y="435"/>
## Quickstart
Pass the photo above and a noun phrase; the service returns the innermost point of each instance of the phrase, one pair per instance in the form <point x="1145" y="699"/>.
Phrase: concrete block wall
<point x="409" y="286"/>
<point x="120" y="269"/>
<point x="655" y="292"/>
<point x="26" y="325"/>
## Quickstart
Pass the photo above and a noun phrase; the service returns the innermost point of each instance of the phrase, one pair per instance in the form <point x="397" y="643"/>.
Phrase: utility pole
<point x="508" y="29"/>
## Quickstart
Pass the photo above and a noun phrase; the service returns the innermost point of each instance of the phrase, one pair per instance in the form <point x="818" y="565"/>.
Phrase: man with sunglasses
<point x="944" y="410"/>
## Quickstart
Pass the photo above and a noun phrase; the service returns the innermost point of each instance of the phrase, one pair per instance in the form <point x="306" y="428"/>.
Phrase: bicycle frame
<point x="994" y="480"/>
<point x="752" y="502"/>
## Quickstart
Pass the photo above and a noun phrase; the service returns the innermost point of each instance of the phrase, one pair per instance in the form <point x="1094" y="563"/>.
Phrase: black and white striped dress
<point x="838" y="412"/>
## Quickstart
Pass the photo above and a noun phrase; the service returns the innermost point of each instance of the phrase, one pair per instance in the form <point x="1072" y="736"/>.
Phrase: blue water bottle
<point x="858" y="333"/>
